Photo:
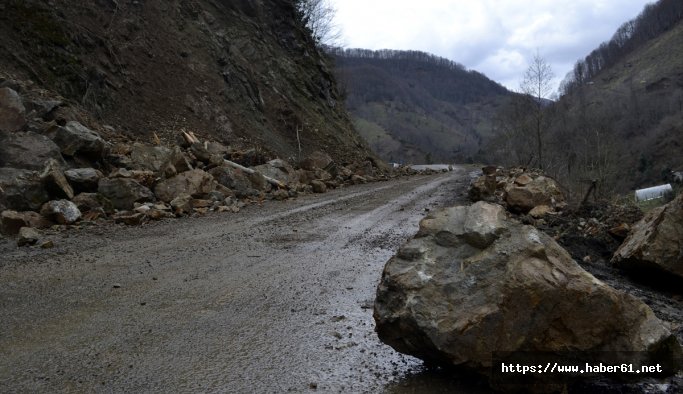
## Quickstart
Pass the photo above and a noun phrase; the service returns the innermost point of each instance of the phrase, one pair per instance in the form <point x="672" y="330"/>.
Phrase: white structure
<point x="652" y="193"/>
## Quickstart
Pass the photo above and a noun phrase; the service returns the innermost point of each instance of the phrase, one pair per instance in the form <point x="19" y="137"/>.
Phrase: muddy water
<point x="275" y="298"/>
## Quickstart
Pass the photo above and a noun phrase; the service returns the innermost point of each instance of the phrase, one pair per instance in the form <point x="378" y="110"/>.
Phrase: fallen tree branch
<point x="270" y="180"/>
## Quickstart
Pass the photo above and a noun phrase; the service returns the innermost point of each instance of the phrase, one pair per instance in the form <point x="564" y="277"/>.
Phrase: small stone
<point x="47" y="244"/>
<point x="318" y="186"/>
<point x="28" y="236"/>
<point x="116" y="285"/>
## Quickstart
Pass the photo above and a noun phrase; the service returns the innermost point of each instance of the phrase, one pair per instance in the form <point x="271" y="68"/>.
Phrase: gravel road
<point x="275" y="298"/>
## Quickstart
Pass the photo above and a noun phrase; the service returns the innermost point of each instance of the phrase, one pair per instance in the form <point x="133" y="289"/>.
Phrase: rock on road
<point x="272" y="299"/>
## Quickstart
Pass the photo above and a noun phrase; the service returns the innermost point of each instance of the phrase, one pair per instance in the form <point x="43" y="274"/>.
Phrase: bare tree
<point x="537" y="87"/>
<point x="318" y="16"/>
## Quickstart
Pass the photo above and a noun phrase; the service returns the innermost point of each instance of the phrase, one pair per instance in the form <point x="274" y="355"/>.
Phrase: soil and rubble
<point x="55" y="171"/>
<point x="450" y="276"/>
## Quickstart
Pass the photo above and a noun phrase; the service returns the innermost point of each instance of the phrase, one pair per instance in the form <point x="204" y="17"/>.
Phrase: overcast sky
<point x="496" y="37"/>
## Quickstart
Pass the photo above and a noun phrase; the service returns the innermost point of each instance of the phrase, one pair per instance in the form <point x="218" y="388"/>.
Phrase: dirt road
<point x="275" y="298"/>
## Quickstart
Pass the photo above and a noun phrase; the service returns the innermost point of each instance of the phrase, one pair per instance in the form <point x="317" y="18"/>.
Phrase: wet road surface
<point x="275" y="298"/>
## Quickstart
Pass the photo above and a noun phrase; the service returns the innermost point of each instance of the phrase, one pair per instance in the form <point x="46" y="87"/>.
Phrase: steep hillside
<point x="242" y="72"/>
<point x="414" y="107"/>
<point x="634" y="110"/>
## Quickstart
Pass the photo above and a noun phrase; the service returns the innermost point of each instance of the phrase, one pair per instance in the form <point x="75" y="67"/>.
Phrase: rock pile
<point x="656" y="242"/>
<point x="54" y="170"/>
<point x="473" y="281"/>
<point x="520" y="190"/>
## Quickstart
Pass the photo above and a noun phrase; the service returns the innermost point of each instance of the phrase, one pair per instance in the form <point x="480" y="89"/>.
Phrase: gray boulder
<point x="21" y="190"/>
<point x="316" y="160"/>
<point x="153" y="158"/>
<point x="12" y="111"/>
<point x="655" y="244"/>
<point x="123" y="193"/>
<point x="195" y="183"/>
<point x="83" y="179"/>
<point x="61" y="211"/>
<point x="27" y="150"/>
<point x="234" y="179"/>
<point x="76" y="139"/>
<point x="473" y="282"/>
<point x="280" y="170"/>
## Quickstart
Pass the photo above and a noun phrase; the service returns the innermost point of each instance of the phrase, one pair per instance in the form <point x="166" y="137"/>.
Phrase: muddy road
<point x="275" y="298"/>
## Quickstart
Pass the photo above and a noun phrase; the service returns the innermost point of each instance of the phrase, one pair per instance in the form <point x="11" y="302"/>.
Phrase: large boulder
<point x="27" y="150"/>
<point x="83" y="179"/>
<point x="234" y="179"/>
<point x="473" y="282"/>
<point x="12" y="111"/>
<point x="655" y="244"/>
<point x="61" y="211"/>
<point x="123" y="193"/>
<point x="525" y="193"/>
<point x="280" y="170"/>
<point x="195" y="183"/>
<point x="21" y="190"/>
<point x="158" y="159"/>
<point x="93" y="202"/>
<point x="12" y="221"/>
<point x="76" y="139"/>
<point x="315" y="160"/>
<point x="519" y="189"/>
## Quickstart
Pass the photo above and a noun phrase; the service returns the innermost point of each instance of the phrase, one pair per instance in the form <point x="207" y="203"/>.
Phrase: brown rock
<point x="540" y="191"/>
<point x="12" y="221"/>
<point x="92" y="202"/>
<point x="194" y="183"/>
<point x="473" y="282"/>
<point x="129" y="218"/>
<point x="182" y="205"/>
<point x="318" y="186"/>
<point x="540" y="211"/>
<point x="357" y="179"/>
<point x="655" y="244"/>
<point x="621" y="231"/>
<point x="280" y="170"/>
<point x="280" y="195"/>
<point x="523" y="180"/>
<point x="315" y="160"/>
<point x="238" y="181"/>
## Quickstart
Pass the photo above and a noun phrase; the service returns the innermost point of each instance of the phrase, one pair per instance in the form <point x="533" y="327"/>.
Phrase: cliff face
<point x="237" y="71"/>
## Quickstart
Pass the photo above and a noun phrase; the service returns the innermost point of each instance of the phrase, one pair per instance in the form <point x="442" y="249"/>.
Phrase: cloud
<point x="496" y="37"/>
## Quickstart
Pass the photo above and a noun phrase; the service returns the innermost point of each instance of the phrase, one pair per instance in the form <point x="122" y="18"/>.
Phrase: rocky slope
<point x="242" y="72"/>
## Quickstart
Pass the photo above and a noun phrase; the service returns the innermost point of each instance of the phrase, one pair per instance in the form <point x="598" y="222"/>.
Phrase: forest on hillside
<point x="618" y="123"/>
<point x="412" y="106"/>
